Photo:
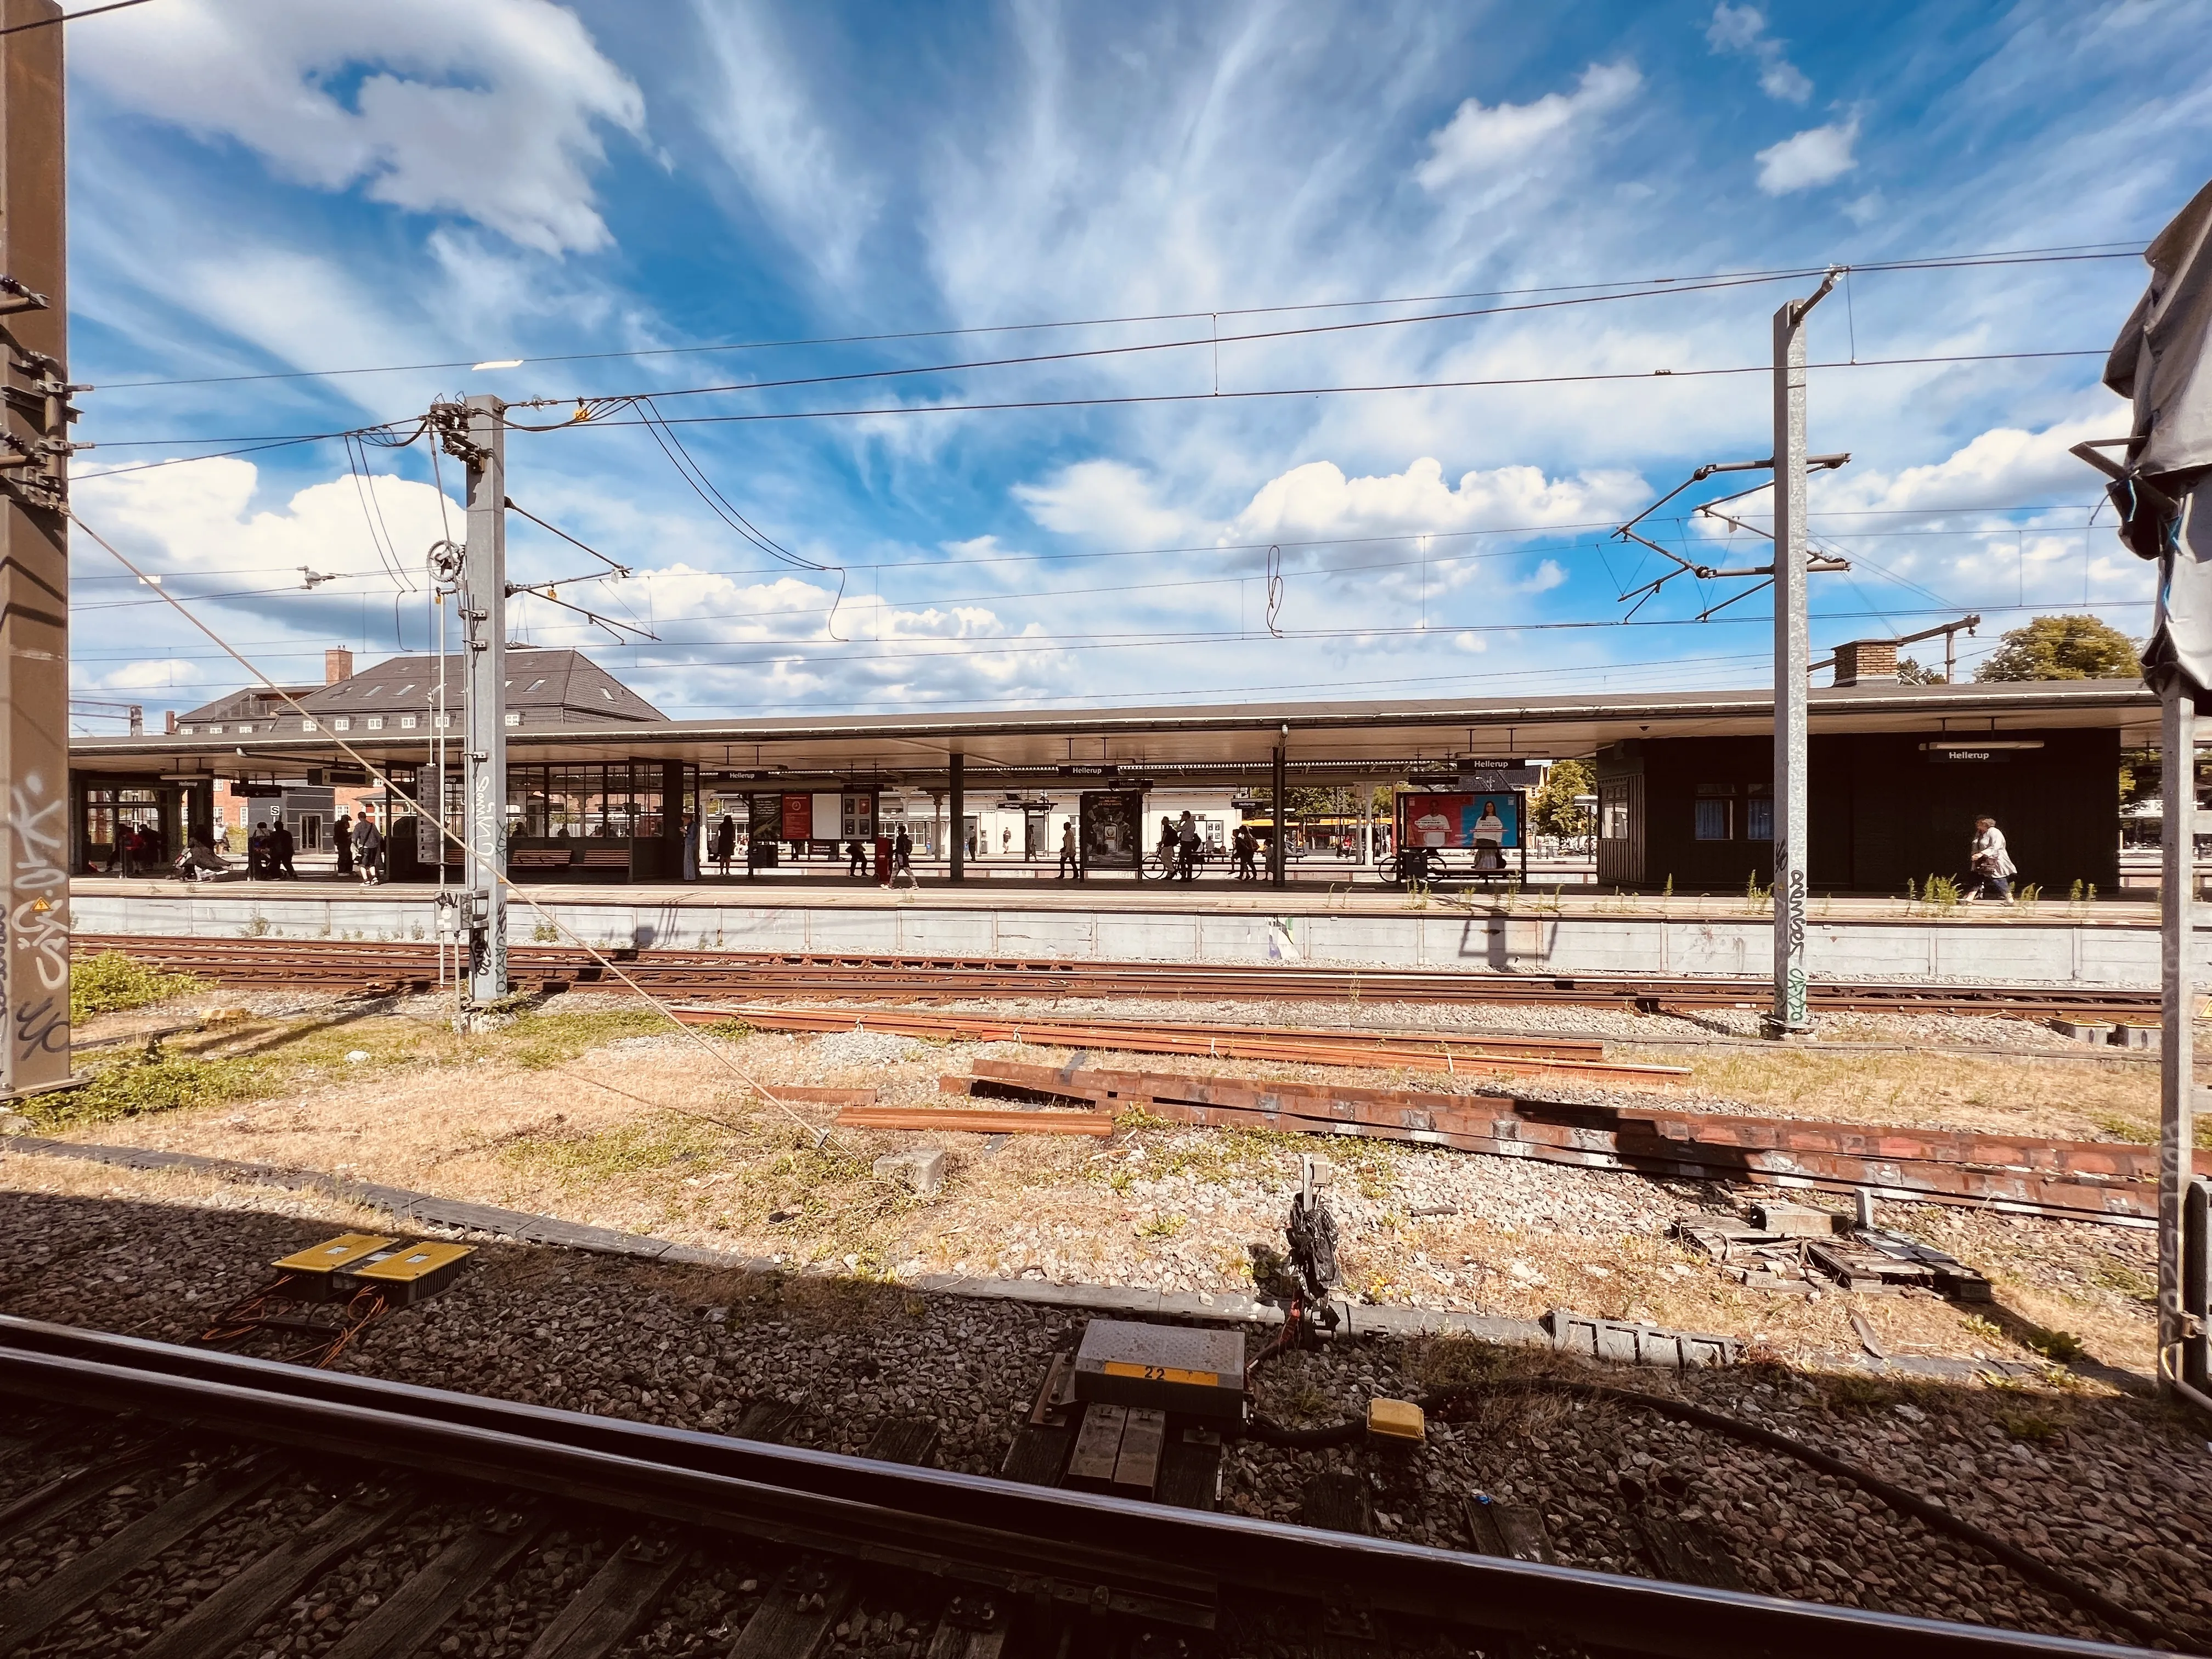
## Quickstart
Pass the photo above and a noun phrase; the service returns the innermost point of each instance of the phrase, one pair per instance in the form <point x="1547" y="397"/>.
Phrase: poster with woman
<point x="1486" y="825"/>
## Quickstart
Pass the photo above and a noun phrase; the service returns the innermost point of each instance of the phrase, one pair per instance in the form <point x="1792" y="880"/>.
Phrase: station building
<point x="601" y="786"/>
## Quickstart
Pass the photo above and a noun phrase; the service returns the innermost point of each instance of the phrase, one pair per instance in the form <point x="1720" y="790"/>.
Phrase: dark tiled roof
<point x="544" y="688"/>
<point x="245" y="705"/>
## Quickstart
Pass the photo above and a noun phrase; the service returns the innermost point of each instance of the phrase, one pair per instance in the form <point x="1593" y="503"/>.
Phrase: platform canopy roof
<point x="1380" y="738"/>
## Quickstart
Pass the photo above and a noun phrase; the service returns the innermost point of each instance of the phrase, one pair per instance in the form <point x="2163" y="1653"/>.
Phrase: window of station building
<point x="1758" y="813"/>
<point x="615" y="800"/>
<point x="534" y="686"/>
<point x="514" y="718"/>
<point x="343" y="723"/>
<point x="1613" y="812"/>
<point x="214" y="731"/>
<point x="1716" y="811"/>
<point x="376" y="722"/>
<point x="306" y="726"/>
<point x="407" y="722"/>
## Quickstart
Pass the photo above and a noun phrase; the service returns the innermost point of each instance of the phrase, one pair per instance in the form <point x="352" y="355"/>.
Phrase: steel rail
<point x="355" y="964"/>
<point x="1112" y="1554"/>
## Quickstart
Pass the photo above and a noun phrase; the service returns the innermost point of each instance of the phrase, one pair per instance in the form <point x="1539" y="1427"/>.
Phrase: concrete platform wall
<point x="2055" y="951"/>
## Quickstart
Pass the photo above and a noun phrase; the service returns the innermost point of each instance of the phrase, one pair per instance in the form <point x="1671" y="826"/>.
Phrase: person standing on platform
<point x="1993" y="868"/>
<point x="1166" y="850"/>
<point x="725" y="842"/>
<point x="280" y="848"/>
<point x="367" y="848"/>
<point x="1071" y="860"/>
<point x="1187" y="847"/>
<point x="256" y="853"/>
<point x="1247" y="847"/>
<point x="342" y="839"/>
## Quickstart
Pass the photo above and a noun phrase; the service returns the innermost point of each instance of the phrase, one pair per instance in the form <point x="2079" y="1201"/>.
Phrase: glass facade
<point x="614" y="800"/>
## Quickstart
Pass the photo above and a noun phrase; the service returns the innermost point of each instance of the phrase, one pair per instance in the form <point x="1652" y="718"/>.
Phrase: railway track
<point x="172" y="1503"/>
<point x="366" y="963"/>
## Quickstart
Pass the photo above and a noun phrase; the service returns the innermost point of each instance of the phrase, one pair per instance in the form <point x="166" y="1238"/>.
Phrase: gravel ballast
<point x="2066" y="1474"/>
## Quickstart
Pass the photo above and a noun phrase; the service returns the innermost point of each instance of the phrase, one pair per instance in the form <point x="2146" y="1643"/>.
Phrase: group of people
<point x="139" y="848"/>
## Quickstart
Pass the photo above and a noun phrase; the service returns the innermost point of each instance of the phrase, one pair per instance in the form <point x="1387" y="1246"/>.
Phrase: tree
<point x="1909" y="672"/>
<point x="2063" y="648"/>
<point x="1552" y="806"/>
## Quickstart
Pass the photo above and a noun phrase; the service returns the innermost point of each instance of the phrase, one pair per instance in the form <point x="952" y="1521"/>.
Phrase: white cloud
<point x="2004" y="466"/>
<point x="1743" y="29"/>
<point x="1814" y="156"/>
<point x="1316" y="501"/>
<point x="197" y="517"/>
<point x="1108" y="501"/>
<point x="1483" y="139"/>
<point x="491" y="111"/>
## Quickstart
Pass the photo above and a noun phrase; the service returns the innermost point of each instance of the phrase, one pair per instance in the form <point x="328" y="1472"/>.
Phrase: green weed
<point x="1161" y="1226"/>
<point x="627" y="1149"/>
<point x="2061" y="1347"/>
<point x="1942" y="892"/>
<point x="536" y="1040"/>
<point x="2032" y="1425"/>
<point x="2127" y="1280"/>
<point x="112" y="981"/>
<point x="141" y="1084"/>
<point x="1859" y="1393"/>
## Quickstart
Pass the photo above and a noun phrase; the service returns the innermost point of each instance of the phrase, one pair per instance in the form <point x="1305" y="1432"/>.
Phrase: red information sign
<point x="798" y="817"/>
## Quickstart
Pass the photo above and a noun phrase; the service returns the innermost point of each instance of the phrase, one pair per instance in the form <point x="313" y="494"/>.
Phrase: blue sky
<point x="287" y="188"/>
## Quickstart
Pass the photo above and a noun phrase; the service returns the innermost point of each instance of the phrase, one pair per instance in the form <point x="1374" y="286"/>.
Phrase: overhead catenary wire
<point x="71" y="16"/>
<point x="471" y="853"/>
<point x="2068" y="254"/>
<point x="249" y="445"/>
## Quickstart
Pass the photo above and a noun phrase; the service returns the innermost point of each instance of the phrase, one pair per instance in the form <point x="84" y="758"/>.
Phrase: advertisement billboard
<point x="1487" y="823"/>
<point x="1112" y="829"/>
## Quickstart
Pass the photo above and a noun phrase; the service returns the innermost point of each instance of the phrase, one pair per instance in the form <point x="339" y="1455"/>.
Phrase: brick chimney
<point x="170" y="728"/>
<point x="1867" y="662"/>
<point x="338" y="664"/>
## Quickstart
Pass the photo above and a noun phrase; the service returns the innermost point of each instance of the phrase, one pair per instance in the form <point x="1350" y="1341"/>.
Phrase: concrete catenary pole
<point x="483" y="618"/>
<point x="1793" y="656"/>
<point x="35" y="553"/>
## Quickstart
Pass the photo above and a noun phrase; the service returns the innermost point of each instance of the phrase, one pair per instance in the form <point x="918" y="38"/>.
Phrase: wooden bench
<point x="615" y="857"/>
<point x="537" y="858"/>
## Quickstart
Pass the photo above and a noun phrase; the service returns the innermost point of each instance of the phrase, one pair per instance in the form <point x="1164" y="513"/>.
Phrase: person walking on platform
<point x="903" y="853"/>
<point x="1246" y="845"/>
<point x="1071" y="861"/>
<point x="342" y="839"/>
<point x="725" y="842"/>
<point x="367" y="848"/>
<point x="1992" y="867"/>
<point x="281" y="846"/>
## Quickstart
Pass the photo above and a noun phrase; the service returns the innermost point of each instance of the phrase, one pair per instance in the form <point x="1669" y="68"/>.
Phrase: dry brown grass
<point x="2070" y="1099"/>
<point x="659" y="1138"/>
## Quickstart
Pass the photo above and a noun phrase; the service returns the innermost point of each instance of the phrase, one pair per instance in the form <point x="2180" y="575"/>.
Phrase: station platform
<point x="2106" y="943"/>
